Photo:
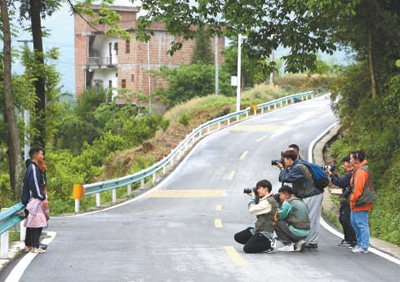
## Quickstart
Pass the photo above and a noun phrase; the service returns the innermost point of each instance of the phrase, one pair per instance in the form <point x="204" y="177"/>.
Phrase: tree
<point x="14" y="145"/>
<point x="187" y="82"/>
<point x="297" y="25"/>
<point x="35" y="10"/>
<point x="202" y="52"/>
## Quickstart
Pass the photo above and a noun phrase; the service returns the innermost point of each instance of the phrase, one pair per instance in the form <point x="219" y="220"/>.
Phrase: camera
<point x="274" y="162"/>
<point x="248" y="190"/>
<point x="331" y="167"/>
<point x="346" y="192"/>
<point x="277" y="198"/>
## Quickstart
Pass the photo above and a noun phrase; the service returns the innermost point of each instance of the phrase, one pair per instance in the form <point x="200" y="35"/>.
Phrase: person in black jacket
<point x="344" y="217"/>
<point x="32" y="187"/>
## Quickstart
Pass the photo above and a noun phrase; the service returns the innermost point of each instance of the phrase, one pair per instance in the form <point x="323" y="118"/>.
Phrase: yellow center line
<point x="218" y="208"/>
<point x="260" y="139"/>
<point x="218" y="223"/>
<point x="231" y="175"/>
<point x="244" y="155"/>
<point x="235" y="255"/>
<point x="186" y="194"/>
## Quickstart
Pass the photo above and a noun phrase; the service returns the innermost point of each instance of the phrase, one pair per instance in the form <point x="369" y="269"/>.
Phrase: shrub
<point x="184" y="119"/>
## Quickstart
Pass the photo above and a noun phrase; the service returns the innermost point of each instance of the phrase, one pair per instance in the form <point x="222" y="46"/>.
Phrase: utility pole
<point x="216" y="65"/>
<point x="148" y="69"/>
<point x="271" y="76"/>
<point x="239" y="70"/>
<point x="27" y="145"/>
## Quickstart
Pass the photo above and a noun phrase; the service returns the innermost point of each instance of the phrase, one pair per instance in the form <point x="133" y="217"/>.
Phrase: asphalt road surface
<point x="183" y="229"/>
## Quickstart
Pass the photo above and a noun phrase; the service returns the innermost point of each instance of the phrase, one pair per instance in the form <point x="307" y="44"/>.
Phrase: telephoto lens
<point x="248" y="190"/>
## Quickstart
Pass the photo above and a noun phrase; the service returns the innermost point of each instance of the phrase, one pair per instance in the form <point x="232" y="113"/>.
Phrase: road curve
<point x="183" y="229"/>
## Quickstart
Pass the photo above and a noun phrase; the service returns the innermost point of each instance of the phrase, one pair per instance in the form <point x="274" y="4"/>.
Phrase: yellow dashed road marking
<point x="218" y="208"/>
<point x="231" y="175"/>
<point x="235" y="256"/>
<point x="218" y="223"/>
<point x="256" y="127"/>
<point x="244" y="155"/>
<point x="186" y="194"/>
<point x="260" y="139"/>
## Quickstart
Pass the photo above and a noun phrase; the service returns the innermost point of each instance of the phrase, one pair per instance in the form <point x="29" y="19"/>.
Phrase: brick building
<point x="109" y="61"/>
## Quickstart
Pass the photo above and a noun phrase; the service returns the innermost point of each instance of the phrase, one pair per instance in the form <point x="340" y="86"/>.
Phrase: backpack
<point x="320" y="178"/>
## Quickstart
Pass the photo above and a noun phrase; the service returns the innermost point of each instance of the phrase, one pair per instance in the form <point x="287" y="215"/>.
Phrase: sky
<point x="61" y="27"/>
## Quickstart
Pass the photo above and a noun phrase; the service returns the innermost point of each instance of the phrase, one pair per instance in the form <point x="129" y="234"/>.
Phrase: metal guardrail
<point x="9" y="218"/>
<point x="97" y="188"/>
<point x="15" y="214"/>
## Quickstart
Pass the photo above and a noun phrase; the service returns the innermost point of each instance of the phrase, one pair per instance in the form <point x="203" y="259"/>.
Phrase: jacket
<point x="360" y="178"/>
<point x="37" y="216"/>
<point x="266" y="211"/>
<point x="294" y="211"/>
<point x="32" y="186"/>
<point x="301" y="179"/>
<point x="341" y="182"/>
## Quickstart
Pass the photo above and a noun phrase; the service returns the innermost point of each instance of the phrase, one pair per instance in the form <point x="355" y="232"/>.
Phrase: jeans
<point x="359" y="220"/>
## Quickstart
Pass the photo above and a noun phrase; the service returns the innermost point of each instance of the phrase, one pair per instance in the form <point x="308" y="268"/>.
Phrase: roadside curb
<point x="331" y="208"/>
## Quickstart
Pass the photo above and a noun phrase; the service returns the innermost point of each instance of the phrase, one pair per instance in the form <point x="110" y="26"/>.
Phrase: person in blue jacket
<point x="293" y="171"/>
<point x="350" y="239"/>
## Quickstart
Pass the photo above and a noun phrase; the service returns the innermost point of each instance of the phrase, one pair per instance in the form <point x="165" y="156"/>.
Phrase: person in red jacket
<point x="359" y="215"/>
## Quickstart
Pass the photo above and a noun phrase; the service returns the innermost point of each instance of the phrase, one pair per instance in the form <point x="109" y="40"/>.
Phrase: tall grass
<point x="178" y="110"/>
<point x="263" y="93"/>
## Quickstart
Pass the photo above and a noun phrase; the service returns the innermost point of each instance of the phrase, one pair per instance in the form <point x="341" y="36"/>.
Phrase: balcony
<point x="103" y="62"/>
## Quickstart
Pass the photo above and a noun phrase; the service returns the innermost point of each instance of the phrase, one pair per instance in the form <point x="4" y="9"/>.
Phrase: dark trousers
<point x="284" y="234"/>
<point x="32" y="237"/>
<point x="344" y="218"/>
<point x="256" y="243"/>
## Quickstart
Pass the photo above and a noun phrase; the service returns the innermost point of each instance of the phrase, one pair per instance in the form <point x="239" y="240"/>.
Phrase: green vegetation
<point x="372" y="124"/>
<point x="97" y="140"/>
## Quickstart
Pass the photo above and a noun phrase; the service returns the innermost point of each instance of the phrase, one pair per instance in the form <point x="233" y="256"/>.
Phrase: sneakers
<point x="344" y="243"/>
<point x="312" y="247"/>
<point x="38" y="251"/>
<point x="273" y="247"/>
<point x="287" y="248"/>
<point x="43" y="246"/>
<point x="300" y="246"/>
<point x="359" y="250"/>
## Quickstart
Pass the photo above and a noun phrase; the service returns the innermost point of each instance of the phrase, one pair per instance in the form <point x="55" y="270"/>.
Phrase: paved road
<point x="183" y="229"/>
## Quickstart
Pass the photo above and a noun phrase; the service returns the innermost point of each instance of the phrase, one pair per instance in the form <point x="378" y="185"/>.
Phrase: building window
<point x="123" y="83"/>
<point x="128" y="46"/>
<point x="132" y="77"/>
<point x="110" y="84"/>
<point x="116" y="48"/>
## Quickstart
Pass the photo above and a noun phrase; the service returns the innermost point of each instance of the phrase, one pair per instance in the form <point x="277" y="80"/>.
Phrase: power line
<point x="75" y="11"/>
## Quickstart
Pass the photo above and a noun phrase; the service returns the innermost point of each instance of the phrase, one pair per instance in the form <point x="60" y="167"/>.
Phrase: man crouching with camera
<point x="258" y="239"/>
<point x="293" y="225"/>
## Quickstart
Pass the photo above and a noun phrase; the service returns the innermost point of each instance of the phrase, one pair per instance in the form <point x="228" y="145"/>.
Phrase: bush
<point x="184" y="119"/>
<point x="135" y="130"/>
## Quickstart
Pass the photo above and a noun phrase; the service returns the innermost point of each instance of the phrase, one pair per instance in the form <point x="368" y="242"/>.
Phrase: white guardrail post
<point x="77" y="205"/>
<point x="5" y="244"/>
<point x="98" y="200"/>
<point x="114" y="195"/>
<point x="22" y="232"/>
